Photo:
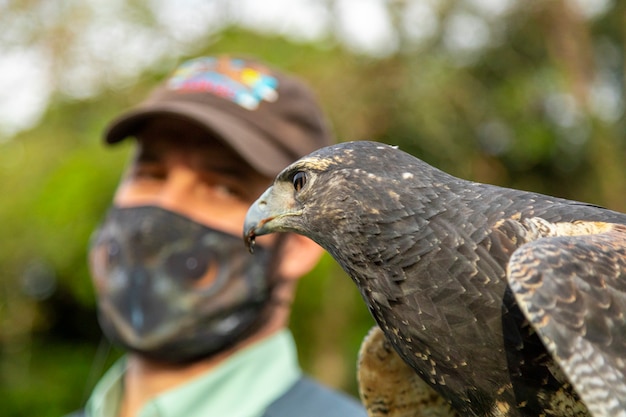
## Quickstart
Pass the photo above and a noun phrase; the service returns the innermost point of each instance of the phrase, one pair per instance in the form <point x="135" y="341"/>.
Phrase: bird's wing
<point x="573" y="291"/>
<point x="389" y="387"/>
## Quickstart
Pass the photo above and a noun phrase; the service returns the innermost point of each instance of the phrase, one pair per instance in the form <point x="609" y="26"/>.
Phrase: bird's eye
<point x="299" y="179"/>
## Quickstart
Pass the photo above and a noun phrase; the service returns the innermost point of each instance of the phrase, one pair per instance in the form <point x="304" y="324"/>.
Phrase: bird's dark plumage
<point x="507" y="303"/>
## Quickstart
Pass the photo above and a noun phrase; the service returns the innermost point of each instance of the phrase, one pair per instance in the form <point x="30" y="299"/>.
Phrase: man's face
<point x="173" y="278"/>
<point x="179" y="167"/>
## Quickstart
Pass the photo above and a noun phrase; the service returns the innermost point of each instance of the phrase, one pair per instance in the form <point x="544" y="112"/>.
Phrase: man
<point x="203" y="321"/>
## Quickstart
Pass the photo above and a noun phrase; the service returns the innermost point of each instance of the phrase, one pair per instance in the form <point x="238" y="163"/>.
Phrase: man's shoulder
<point x="308" y="398"/>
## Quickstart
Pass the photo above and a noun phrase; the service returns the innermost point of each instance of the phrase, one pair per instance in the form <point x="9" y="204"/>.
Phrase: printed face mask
<point x="175" y="290"/>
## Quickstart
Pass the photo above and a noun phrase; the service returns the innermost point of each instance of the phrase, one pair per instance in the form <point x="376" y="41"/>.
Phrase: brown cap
<point x="269" y="118"/>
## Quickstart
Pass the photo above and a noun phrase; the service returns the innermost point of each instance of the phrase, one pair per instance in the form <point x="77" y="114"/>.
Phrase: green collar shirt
<point x="242" y="386"/>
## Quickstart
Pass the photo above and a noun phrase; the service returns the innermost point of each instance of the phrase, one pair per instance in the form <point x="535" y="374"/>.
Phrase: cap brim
<point x="252" y="145"/>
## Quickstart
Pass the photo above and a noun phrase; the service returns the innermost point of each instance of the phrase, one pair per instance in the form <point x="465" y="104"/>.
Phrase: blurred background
<point x="521" y="93"/>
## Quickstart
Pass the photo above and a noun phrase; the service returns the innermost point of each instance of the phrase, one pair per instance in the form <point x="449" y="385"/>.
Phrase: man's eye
<point x="227" y="190"/>
<point x="147" y="171"/>
<point x="299" y="180"/>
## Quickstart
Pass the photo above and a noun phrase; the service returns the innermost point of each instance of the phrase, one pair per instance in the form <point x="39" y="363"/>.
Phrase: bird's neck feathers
<point x="371" y="212"/>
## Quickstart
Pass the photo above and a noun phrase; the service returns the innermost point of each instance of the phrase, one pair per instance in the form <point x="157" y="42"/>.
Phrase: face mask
<point x="172" y="289"/>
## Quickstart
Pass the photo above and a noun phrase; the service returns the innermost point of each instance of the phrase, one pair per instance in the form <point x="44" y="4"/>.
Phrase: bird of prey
<point x="507" y="303"/>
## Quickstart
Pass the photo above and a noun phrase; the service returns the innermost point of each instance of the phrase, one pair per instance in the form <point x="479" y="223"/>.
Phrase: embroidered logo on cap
<point x="233" y="79"/>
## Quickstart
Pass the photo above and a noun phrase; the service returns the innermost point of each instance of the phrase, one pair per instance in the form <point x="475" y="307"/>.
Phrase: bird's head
<point x="302" y="194"/>
<point x="338" y="192"/>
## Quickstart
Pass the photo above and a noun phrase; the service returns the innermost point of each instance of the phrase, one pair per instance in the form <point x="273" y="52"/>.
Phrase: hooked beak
<point x="255" y="223"/>
<point x="269" y="214"/>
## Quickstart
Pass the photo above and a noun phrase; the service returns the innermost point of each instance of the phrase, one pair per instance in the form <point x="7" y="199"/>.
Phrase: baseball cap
<point x="268" y="117"/>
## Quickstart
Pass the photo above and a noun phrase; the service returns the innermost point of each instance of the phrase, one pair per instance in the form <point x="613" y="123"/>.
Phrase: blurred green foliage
<point x="518" y="114"/>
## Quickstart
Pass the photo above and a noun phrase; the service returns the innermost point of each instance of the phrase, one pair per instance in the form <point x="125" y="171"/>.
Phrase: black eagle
<point x="505" y="302"/>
